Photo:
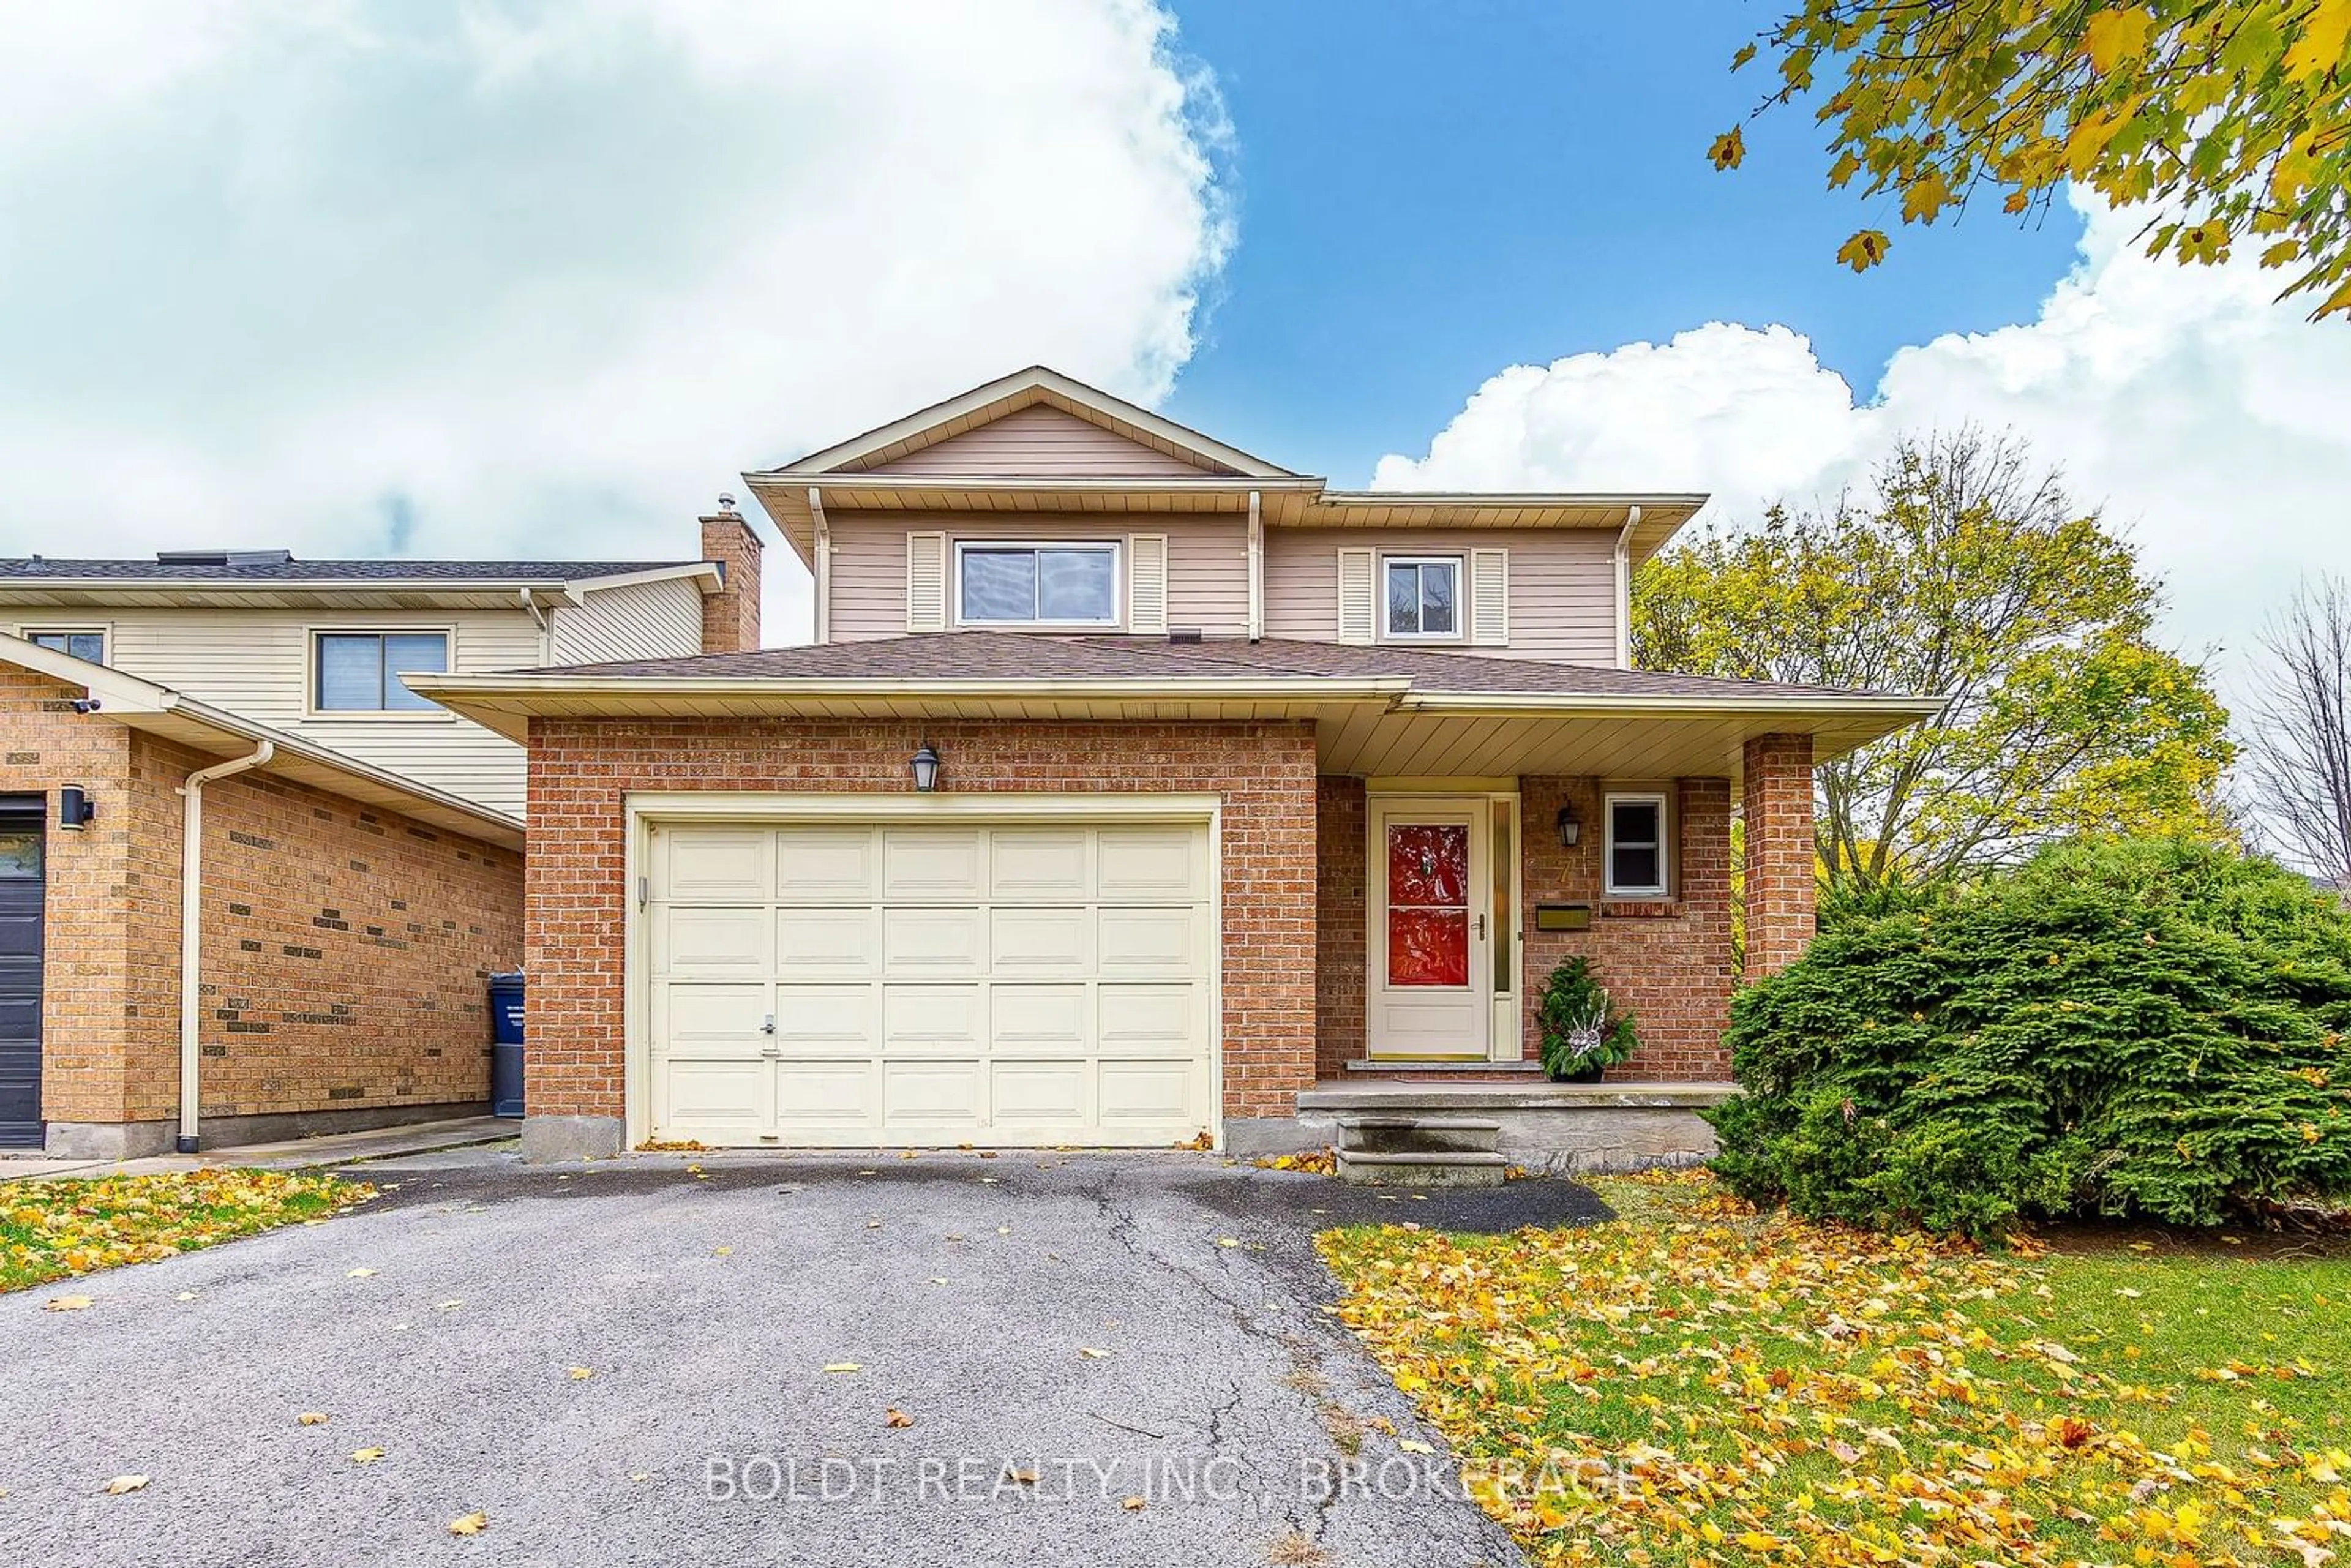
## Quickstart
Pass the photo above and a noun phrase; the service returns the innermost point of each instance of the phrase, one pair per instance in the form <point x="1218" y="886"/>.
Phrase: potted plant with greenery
<point x="1583" y="1032"/>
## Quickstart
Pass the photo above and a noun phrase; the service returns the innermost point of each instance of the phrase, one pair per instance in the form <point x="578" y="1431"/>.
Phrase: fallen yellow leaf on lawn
<point x="366" y="1456"/>
<point x="121" y="1484"/>
<point x="311" y="1419"/>
<point x="472" y="1523"/>
<point x="65" y="1304"/>
<point x="843" y="1366"/>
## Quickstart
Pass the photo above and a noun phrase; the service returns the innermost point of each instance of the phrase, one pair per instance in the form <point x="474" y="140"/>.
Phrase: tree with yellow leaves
<point x="2230" y="119"/>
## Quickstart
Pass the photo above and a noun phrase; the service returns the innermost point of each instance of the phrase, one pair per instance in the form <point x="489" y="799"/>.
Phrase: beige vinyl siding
<point x="257" y="663"/>
<point x="659" y="620"/>
<point x="1038" y="440"/>
<point x="1563" y="603"/>
<point x="1207" y="563"/>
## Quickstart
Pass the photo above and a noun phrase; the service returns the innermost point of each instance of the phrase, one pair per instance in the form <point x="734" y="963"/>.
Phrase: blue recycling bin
<point x="505" y="1044"/>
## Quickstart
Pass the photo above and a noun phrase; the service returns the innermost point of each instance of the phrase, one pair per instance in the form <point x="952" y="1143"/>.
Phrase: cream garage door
<point x="1009" y="984"/>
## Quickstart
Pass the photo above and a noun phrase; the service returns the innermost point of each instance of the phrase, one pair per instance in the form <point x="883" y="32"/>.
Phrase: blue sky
<point x="1429" y="192"/>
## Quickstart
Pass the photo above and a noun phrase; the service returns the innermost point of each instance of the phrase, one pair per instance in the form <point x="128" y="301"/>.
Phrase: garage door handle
<point x="768" y="1025"/>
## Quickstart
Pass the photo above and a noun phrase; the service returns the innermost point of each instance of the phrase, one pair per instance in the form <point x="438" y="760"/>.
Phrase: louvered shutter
<point x="1358" y="596"/>
<point x="1489" y="597"/>
<point x="926" y="582"/>
<point x="1147" y="582"/>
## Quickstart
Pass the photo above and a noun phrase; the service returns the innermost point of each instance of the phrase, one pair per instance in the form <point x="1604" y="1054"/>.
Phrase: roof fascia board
<point x="1039" y="381"/>
<point x="706" y="572"/>
<point x="1508" y="498"/>
<point x="1662" y="704"/>
<point x="1383" y="688"/>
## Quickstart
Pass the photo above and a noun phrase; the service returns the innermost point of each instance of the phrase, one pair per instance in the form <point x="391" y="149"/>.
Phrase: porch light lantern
<point x="927" y="769"/>
<point x="1570" y="830"/>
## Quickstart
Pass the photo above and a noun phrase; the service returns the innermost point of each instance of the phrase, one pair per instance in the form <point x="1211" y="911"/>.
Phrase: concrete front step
<point x="1421" y="1168"/>
<point x="1408" y="1133"/>
<point x="1565" y="1128"/>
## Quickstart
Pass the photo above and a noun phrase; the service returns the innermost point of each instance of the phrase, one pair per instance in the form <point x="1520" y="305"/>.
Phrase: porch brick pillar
<point x="1780" y="886"/>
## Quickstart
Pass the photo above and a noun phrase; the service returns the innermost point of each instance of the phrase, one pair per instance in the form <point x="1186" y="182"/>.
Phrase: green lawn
<point x="1693" y="1384"/>
<point x="51" y="1230"/>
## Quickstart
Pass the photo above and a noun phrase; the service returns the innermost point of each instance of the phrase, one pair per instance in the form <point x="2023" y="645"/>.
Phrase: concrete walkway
<point x="294" y="1154"/>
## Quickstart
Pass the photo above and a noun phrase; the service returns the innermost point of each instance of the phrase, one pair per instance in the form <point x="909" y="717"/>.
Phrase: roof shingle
<point x="45" y="568"/>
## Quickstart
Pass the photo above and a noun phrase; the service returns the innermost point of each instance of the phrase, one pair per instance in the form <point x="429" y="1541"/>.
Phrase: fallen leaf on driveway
<point x="1228" y="1241"/>
<point x="939" y="1279"/>
<point x="366" y="1456"/>
<point x="65" y="1303"/>
<point x="472" y="1523"/>
<point x="1413" y="1445"/>
<point x="582" y="1374"/>
<point x="1132" y="1504"/>
<point x="1004" y="1231"/>
<point x="311" y="1419"/>
<point x="449" y="1306"/>
<point x="722" y="1251"/>
<point x="1025" y="1478"/>
<point x="894" y="1417"/>
<point x="1091" y="1352"/>
<point x="121" y="1484"/>
<point x="641" y="1475"/>
<point x="843" y="1366"/>
<point x="185" y="1296"/>
<point x="358" y="1273"/>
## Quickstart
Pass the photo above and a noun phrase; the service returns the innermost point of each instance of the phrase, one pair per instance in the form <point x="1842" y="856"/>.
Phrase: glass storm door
<point x="1429" y="994"/>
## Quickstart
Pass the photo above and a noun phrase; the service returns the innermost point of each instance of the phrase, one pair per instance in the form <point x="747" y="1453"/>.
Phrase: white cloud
<point x="498" y="276"/>
<point x="2211" y="421"/>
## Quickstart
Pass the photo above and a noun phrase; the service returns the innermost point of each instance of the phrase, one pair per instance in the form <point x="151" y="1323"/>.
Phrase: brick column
<point x="1780" y="886"/>
<point x="730" y="617"/>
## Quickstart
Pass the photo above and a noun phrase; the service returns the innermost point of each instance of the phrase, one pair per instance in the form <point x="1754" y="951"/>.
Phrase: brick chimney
<point x="730" y="617"/>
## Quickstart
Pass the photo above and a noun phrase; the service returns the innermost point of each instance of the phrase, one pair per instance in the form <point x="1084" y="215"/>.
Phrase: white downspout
<point x="1255" y="570"/>
<point x="191" y="911"/>
<point x="1624" y="589"/>
<point x="823" y="565"/>
<point x="546" y="637"/>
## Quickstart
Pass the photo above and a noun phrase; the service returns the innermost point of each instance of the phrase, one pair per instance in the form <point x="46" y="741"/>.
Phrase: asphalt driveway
<point x="629" y="1362"/>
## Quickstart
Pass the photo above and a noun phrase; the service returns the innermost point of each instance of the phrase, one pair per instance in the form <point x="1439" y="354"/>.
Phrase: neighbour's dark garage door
<point x="21" y="884"/>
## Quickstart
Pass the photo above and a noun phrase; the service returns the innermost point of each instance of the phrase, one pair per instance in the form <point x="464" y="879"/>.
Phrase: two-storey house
<point x="251" y="884"/>
<point x="1131" y="787"/>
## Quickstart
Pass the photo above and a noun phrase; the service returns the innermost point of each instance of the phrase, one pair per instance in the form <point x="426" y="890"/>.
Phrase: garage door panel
<point x="930" y="863"/>
<point x="919" y="940"/>
<point x="827" y="864"/>
<point x="829" y="1094"/>
<point x="1038" y="1019"/>
<point x="1056" y="942"/>
<point x="931" y="1093"/>
<point x="1141" y="941"/>
<point x="1151" y="864"/>
<point x="1045" y="864"/>
<point x="828" y="1020"/>
<point x="814" y="942"/>
<point x="1046" y="1095"/>
<point x="1133" y="1091"/>
<point x="715" y="865"/>
<point x="933" y="1019"/>
<point x="699" y="940"/>
<point x="993" y="983"/>
<point x="706" y="1016"/>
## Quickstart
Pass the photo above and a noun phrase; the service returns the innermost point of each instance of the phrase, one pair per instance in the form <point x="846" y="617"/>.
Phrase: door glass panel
<point x="1506" y="982"/>
<point x="1429" y="947"/>
<point x="1429" y="903"/>
<point x="20" y="853"/>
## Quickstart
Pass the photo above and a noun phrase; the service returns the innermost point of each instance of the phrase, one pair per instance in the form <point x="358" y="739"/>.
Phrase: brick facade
<point x="344" y="947"/>
<point x="730" y="617"/>
<point x="577" y="892"/>
<point x="1782" y="884"/>
<point x="1668" y="961"/>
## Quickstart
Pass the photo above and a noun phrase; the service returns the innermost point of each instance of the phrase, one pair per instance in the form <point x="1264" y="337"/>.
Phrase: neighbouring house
<point x="358" y="849"/>
<point x="1135" y="788"/>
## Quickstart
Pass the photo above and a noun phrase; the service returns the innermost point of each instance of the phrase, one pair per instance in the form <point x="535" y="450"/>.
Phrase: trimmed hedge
<point x="2131" y="1028"/>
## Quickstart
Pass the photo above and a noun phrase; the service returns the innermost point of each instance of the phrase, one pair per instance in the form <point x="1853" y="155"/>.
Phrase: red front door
<point x="1428" y="866"/>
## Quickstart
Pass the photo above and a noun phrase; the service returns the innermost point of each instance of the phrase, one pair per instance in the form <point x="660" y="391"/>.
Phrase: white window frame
<point x="1460" y="567"/>
<point x="310" y="708"/>
<point x="105" y="635"/>
<point x="1610" y="887"/>
<point x="1109" y="547"/>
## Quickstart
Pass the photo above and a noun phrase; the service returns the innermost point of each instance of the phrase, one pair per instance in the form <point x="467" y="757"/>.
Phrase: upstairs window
<point x="73" y="642"/>
<point x="1424" y="595"/>
<point x="359" y="672"/>
<point x="1037" y="585"/>
<point x="1634" y="851"/>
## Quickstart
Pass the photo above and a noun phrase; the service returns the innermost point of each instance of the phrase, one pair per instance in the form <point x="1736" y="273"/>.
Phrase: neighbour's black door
<point x="22" y="880"/>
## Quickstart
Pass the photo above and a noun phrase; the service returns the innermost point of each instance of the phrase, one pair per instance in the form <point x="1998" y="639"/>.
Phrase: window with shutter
<point x="926" y="582"/>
